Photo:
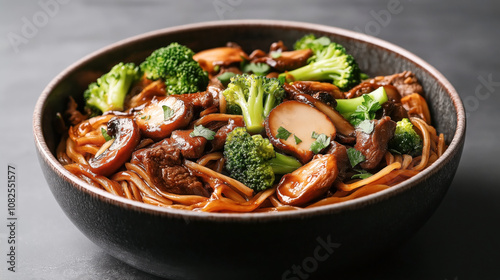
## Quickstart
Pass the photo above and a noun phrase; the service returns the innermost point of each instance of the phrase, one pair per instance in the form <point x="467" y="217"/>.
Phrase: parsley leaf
<point x="355" y="156"/>
<point x="167" y="112"/>
<point x="314" y="135"/>
<point x="366" y="126"/>
<point x="365" y="111"/>
<point x="297" y="139"/>
<point x="362" y="174"/>
<point x="322" y="141"/>
<point x="105" y="134"/>
<point x="275" y="54"/>
<point x="260" y="69"/>
<point x="200" y="130"/>
<point x="283" y="133"/>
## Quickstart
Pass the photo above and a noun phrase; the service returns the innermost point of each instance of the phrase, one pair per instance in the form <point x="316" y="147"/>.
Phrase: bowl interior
<point x="375" y="57"/>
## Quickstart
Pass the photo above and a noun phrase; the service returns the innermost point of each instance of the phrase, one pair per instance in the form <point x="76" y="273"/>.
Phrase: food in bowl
<point x="222" y="130"/>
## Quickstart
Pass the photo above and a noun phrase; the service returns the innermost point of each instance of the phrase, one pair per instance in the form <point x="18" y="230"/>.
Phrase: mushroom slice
<point x="302" y="121"/>
<point x="224" y="56"/>
<point x="309" y="181"/>
<point x="126" y="136"/>
<point x="343" y="126"/>
<point x="160" y="118"/>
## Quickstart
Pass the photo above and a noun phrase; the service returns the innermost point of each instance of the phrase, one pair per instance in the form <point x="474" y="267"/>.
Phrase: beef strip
<point x="394" y="110"/>
<point x="163" y="163"/>
<point x="405" y="83"/>
<point x="374" y="145"/>
<point x="340" y="153"/>
<point x="221" y="134"/>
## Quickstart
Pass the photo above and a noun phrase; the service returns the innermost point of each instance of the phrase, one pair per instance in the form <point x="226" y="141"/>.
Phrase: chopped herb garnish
<point x="167" y="112"/>
<point x="297" y="139"/>
<point x="365" y="111"/>
<point x="322" y="141"/>
<point x="275" y="54"/>
<point x="105" y="134"/>
<point x="216" y="68"/>
<point x="283" y="133"/>
<point x="314" y="135"/>
<point x="366" y="126"/>
<point x="225" y="77"/>
<point x="200" y="130"/>
<point x="260" y="69"/>
<point x="146" y="117"/>
<point x="355" y="156"/>
<point x="362" y="174"/>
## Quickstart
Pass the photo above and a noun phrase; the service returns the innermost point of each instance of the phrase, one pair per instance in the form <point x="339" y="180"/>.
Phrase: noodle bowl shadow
<point x="180" y="244"/>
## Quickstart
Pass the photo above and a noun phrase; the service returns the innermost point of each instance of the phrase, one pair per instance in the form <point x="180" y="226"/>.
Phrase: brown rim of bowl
<point x="458" y="137"/>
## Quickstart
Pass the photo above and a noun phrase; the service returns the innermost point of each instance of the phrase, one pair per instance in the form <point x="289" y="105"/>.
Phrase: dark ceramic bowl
<point x="290" y="245"/>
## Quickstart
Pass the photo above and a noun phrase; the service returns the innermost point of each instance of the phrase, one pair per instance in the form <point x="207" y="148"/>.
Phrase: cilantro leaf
<point x="366" y="126"/>
<point x="362" y="174"/>
<point x="355" y="156"/>
<point x="321" y="142"/>
<point x="275" y="54"/>
<point x="260" y="69"/>
<point x="200" y="130"/>
<point x="167" y="112"/>
<point x="314" y="135"/>
<point x="105" y="134"/>
<point x="297" y="139"/>
<point x="283" y="133"/>
<point x="365" y="111"/>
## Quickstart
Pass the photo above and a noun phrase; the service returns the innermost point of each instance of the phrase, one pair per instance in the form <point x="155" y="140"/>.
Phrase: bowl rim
<point x="106" y="197"/>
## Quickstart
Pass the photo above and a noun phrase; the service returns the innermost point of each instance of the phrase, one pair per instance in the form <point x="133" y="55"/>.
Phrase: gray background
<point x="460" y="38"/>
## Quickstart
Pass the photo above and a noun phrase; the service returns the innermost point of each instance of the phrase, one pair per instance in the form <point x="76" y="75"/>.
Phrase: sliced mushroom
<point x="309" y="181"/>
<point x="223" y="56"/>
<point x="342" y="126"/>
<point x="301" y="120"/>
<point x="126" y="136"/>
<point x="156" y="124"/>
<point x="325" y="92"/>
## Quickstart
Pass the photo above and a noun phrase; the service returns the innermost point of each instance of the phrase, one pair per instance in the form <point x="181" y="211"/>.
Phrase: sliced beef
<point x="340" y="153"/>
<point x="405" y="83"/>
<point x="374" y="145"/>
<point x="394" y="110"/>
<point x="221" y="134"/>
<point x="191" y="147"/>
<point x="163" y="163"/>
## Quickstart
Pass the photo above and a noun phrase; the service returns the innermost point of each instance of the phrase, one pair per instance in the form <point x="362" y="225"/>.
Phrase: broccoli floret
<point x="311" y="42"/>
<point x="329" y="63"/>
<point x="362" y="104"/>
<point x="406" y="140"/>
<point x="253" y="161"/>
<point x="109" y="91"/>
<point x="254" y="97"/>
<point x="175" y="65"/>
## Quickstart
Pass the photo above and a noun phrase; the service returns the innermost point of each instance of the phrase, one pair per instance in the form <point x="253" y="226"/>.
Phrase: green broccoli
<point x="406" y="140"/>
<point x="253" y="161"/>
<point x="254" y="97"/>
<point x="175" y="65"/>
<point x="311" y="42"/>
<point x="356" y="109"/>
<point x="330" y="62"/>
<point x="109" y="91"/>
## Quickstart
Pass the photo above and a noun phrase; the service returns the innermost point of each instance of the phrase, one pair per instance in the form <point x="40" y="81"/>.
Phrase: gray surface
<point x="459" y="38"/>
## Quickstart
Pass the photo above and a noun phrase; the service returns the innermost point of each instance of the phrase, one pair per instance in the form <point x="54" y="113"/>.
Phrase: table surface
<point x="460" y="38"/>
